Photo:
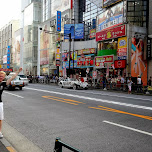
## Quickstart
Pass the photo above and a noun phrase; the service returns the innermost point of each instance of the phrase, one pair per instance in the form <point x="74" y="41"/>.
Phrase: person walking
<point x="3" y="84"/>
<point x="139" y="84"/>
<point x="149" y="82"/>
<point x="129" y="85"/>
<point x="122" y="83"/>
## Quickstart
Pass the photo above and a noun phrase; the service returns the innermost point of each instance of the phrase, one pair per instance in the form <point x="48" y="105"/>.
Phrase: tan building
<point x="7" y="39"/>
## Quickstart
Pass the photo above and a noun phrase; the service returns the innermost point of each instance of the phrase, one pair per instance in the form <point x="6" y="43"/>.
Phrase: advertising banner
<point x="60" y="5"/>
<point x="8" y="57"/>
<point x="119" y="64"/>
<point x="65" y="59"/>
<point x="111" y="17"/>
<point x="92" y="33"/>
<point x="5" y="59"/>
<point x="76" y="30"/>
<point x="111" y="33"/>
<point x="138" y="65"/>
<point x="16" y="50"/>
<point x="148" y="48"/>
<point x="87" y="51"/>
<point x="107" y="3"/>
<point x="58" y="18"/>
<point x="100" y="60"/>
<point x="122" y="47"/>
<point x="84" y="61"/>
<point x="44" y="46"/>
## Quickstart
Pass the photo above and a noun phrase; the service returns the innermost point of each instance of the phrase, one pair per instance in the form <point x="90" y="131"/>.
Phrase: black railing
<point x="59" y="144"/>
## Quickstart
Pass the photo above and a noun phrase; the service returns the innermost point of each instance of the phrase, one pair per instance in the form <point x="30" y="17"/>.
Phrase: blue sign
<point x="122" y="57"/>
<point x="93" y="23"/>
<point x="76" y="30"/>
<point x="58" y="21"/>
<point x="8" y="57"/>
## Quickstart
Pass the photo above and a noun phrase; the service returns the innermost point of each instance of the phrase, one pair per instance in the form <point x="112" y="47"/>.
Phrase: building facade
<point x="7" y="41"/>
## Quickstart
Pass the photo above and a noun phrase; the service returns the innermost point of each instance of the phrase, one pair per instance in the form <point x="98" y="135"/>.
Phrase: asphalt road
<point x="90" y="120"/>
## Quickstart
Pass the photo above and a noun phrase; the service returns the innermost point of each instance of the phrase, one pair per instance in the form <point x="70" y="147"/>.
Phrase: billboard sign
<point x="76" y="30"/>
<point x="100" y="60"/>
<point x="58" y="18"/>
<point x="93" y="33"/>
<point x="5" y="59"/>
<point x="107" y="3"/>
<point x="119" y="64"/>
<point x="112" y="33"/>
<point x="122" y="47"/>
<point x="8" y="57"/>
<point x="111" y="17"/>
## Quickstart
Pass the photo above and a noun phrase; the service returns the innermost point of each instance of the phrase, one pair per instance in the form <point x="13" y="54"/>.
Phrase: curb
<point x="5" y="146"/>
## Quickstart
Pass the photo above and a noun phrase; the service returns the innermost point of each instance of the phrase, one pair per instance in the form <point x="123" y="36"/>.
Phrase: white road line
<point x="105" y="94"/>
<point x="94" y="99"/>
<point x="129" y="128"/>
<point x="14" y="94"/>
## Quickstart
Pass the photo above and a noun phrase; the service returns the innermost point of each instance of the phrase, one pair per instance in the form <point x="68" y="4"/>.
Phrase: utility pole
<point x="69" y="52"/>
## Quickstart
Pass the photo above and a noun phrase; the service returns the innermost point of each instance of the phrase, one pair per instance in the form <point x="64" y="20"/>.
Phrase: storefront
<point x="112" y="45"/>
<point x="85" y="61"/>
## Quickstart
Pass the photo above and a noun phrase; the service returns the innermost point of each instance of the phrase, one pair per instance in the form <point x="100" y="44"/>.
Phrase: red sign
<point x="119" y="64"/>
<point x="122" y="52"/>
<point x="94" y="74"/>
<point x="6" y="70"/>
<point x="111" y="33"/>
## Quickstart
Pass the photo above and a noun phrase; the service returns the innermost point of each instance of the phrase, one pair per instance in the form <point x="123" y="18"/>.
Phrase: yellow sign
<point x="122" y="42"/>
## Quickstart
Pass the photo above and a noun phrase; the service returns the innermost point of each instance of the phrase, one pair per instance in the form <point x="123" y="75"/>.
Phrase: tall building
<point x="31" y="18"/>
<point x="7" y="41"/>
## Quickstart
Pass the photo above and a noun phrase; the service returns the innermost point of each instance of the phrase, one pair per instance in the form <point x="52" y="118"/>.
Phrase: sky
<point x="9" y="9"/>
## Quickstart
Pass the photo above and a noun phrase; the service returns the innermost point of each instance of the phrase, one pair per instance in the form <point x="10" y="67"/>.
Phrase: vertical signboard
<point x="8" y="57"/>
<point x="148" y="48"/>
<point x="138" y="64"/>
<point x="58" y="21"/>
<point x="122" y="48"/>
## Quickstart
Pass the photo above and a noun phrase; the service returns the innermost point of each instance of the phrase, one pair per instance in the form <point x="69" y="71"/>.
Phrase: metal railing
<point x="59" y="144"/>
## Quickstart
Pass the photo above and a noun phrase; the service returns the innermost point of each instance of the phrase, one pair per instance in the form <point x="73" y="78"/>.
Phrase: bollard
<point x="58" y="145"/>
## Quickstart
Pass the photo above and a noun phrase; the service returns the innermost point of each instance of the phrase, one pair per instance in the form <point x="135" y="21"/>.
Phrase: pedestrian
<point x="149" y="82"/>
<point x="129" y="85"/>
<point x="139" y="84"/>
<point x="122" y="83"/>
<point x="3" y="84"/>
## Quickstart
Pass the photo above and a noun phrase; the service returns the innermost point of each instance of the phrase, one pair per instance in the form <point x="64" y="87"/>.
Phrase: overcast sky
<point x="9" y="9"/>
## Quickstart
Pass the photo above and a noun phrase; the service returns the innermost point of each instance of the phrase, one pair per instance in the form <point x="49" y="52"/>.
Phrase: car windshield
<point x="22" y="76"/>
<point x="17" y="78"/>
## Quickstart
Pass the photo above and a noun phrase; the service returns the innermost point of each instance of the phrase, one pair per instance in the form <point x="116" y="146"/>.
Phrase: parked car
<point x="73" y="83"/>
<point x="16" y="83"/>
<point x="25" y="79"/>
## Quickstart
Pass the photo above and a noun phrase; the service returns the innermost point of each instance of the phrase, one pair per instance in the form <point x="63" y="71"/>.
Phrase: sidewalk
<point x="5" y="146"/>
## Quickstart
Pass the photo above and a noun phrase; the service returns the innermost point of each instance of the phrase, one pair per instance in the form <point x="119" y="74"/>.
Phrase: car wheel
<point x="75" y="87"/>
<point x="20" y="88"/>
<point x="86" y="88"/>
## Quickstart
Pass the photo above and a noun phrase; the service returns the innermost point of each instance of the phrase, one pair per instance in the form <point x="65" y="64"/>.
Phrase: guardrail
<point x="59" y="144"/>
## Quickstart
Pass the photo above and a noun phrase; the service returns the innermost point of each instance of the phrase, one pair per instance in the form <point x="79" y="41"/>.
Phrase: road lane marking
<point x="10" y="149"/>
<point x="104" y="94"/>
<point x="129" y="128"/>
<point x="65" y="99"/>
<point x="47" y="97"/>
<point x="94" y="99"/>
<point x="14" y="94"/>
<point x="121" y="112"/>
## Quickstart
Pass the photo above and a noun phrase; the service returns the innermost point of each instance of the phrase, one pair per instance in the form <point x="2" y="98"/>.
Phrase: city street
<point x="89" y="120"/>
